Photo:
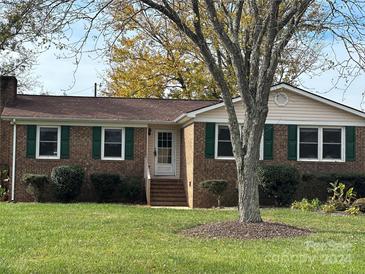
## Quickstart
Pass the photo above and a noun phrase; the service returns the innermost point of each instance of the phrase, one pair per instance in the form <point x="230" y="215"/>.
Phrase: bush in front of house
<point x="360" y="203"/>
<point x="306" y="205"/>
<point x="105" y="185"/>
<point x="353" y="210"/>
<point x="35" y="185"/>
<point x="67" y="181"/>
<point x="316" y="185"/>
<point x="132" y="189"/>
<point x="328" y="208"/>
<point x="216" y="187"/>
<point x="341" y="196"/>
<point x="4" y="182"/>
<point x="279" y="182"/>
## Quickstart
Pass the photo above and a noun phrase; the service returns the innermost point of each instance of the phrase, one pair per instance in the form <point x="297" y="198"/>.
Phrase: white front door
<point x="165" y="161"/>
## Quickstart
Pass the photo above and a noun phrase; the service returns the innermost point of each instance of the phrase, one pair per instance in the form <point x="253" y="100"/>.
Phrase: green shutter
<point x="292" y="142"/>
<point x="350" y="143"/>
<point x="96" y="142"/>
<point x="31" y="141"/>
<point x="65" y="142"/>
<point x="209" y="140"/>
<point x="268" y="142"/>
<point x="129" y="143"/>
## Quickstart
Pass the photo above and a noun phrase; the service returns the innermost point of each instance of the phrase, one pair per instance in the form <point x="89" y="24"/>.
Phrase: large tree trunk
<point x="247" y="164"/>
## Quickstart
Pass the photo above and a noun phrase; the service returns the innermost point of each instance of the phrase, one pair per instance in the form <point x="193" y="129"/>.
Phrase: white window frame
<point x="103" y="144"/>
<point x="231" y="157"/>
<point x="38" y="137"/>
<point x="320" y="144"/>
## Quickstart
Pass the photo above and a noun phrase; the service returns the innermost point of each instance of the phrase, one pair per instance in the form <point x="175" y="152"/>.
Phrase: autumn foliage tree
<point x="158" y="68"/>
<point x="154" y="59"/>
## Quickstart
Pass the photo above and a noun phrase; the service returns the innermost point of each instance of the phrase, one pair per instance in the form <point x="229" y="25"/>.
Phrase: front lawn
<point x="96" y="238"/>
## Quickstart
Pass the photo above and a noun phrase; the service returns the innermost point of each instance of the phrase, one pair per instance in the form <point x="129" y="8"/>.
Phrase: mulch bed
<point x="245" y="231"/>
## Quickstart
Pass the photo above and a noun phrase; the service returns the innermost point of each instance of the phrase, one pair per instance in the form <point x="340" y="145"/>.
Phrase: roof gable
<point x="290" y="88"/>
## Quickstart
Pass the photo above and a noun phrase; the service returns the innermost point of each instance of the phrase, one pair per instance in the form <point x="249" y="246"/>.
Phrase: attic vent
<point x="281" y="99"/>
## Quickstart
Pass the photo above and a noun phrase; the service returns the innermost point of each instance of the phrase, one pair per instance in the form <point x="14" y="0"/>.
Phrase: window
<point x="164" y="146"/>
<point x="223" y="145"/>
<point x="112" y="144"/>
<point x="48" y="142"/>
<point x="308" y="143"/>
<point x="321" y="144"/>
<point x="332" y="143"/>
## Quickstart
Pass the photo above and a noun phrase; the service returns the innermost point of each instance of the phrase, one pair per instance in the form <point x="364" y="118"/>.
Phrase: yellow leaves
<point x="247" y="20"/>
<point x="161" y="66"/>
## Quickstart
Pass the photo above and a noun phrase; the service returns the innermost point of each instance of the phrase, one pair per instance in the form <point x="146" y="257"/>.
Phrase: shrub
<point x="104" y="185"/>
<point x="353" y="210"/>
<point x="360" y="203"/>
<point x="67" y="181"/>
<point x="216" y="187"/>
<point x="306" y="205"/>
<point x="4" y="173"/>
<point x="279" y="182"/>
<point x="341" y="198"/>
<point x="4" y="182"/>
<point x="3" y="192"/>
<point x="316" y="185"/>
<point x="328" y="208"/>
<point x="35" y="186"/>
<point x="132" y="190"/>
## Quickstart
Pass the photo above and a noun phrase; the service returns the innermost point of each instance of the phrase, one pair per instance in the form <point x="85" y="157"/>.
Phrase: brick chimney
<point x="8" y="90"/>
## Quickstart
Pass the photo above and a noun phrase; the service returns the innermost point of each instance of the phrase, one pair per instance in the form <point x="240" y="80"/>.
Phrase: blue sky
<point x="56" y="76"/>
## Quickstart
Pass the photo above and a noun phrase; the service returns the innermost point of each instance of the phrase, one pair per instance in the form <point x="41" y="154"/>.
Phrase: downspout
<point x="13" y="165"/>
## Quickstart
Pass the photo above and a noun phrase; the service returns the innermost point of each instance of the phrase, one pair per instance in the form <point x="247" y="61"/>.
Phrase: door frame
<point x="173" y="152"/>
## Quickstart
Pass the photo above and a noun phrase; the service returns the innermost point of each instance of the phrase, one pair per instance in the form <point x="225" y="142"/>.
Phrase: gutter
<point x="13" y="171"/>
<point x="68" y="121"/>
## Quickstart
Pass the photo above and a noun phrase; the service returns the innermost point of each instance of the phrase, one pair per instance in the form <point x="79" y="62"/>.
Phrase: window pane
<point x="308" y="151"/>
<point x="48" y="134"/>
<point x="48" y="148"/>
<point x="225" y="149"/>
<point x="332" y="135"/>
<point x="332" y="151"/>
<point x="164" y="155"/>
<point x="223" y="133"/>
<point x="113" y="135"/>
<point x="309" y="135"/>
<point x="113" y="150"/>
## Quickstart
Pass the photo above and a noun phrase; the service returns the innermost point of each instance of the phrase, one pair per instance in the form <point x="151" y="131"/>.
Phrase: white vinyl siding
<point x="300" y="110"/>
<point x="151" y="147"/>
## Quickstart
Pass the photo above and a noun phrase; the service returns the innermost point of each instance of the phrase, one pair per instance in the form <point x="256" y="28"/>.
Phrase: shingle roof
<point x="101" y="108"/>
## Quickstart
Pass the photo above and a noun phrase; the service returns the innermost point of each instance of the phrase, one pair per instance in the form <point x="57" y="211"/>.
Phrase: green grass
<point x="93" y="238"/>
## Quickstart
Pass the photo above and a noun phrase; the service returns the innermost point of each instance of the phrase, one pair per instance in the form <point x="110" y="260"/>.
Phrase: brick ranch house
<point x="174" y="144"/>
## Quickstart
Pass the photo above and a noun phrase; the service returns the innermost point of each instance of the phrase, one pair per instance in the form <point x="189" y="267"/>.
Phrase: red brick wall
<point x="205" y="169"/>
<point x="80" y="154"/>
<point x="6" y="134"/>
<point x="187" y="161"/>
